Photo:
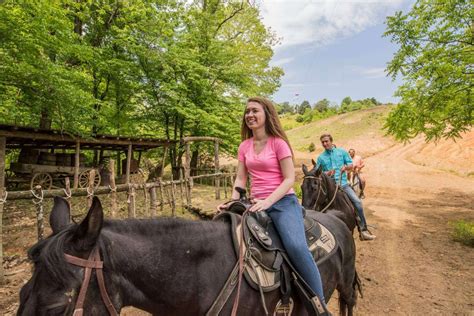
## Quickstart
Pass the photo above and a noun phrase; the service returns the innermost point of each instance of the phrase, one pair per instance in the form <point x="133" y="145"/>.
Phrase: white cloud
<point x="374" y="72"/>
<point x="371" y="73"/>
<point x="321" y="22"/>
<point x="282" y="61"/>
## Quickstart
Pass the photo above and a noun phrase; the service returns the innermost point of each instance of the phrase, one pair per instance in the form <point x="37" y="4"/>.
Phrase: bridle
<point x="93" y="262"/>
<point x="321" y="188"/>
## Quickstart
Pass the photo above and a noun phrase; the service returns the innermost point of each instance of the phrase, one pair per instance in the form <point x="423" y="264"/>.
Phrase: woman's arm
<point x="288" y="171"/>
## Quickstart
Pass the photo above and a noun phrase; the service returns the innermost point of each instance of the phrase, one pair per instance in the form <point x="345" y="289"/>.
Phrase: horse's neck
<point x="164" y="256"/>
<point x="330" y="186"/>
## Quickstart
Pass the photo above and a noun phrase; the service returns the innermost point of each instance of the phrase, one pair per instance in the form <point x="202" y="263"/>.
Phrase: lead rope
<point x="338" y="185"/>
<point x="241" y="263"/>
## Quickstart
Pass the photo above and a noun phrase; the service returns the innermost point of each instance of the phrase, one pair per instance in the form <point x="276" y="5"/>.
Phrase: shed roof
<point x="21" y="136"/>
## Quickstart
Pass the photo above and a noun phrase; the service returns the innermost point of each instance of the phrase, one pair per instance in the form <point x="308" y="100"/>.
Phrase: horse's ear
<point x="60" y="214"/>
<point x="89" y="229"/>
<point x="319" y="170"/>
<point x="313" y="162"/>
<point x="305" y="170"/>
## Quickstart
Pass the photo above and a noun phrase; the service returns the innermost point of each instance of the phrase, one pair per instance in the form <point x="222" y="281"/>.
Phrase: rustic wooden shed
<point x="35" y="138"/>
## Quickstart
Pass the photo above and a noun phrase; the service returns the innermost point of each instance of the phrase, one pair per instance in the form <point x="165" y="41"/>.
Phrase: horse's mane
<point x="49" y="253"/>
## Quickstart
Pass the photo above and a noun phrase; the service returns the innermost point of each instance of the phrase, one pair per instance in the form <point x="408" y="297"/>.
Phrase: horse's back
<point x="334" y="224"/>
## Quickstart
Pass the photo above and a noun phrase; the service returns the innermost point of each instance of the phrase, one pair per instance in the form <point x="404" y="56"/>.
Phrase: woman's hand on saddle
<point x="222" y="207"/>
<point x="259" y="205"/>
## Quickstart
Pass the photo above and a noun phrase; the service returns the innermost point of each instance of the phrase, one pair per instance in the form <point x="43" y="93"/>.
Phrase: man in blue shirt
<point x="335" y="161"/>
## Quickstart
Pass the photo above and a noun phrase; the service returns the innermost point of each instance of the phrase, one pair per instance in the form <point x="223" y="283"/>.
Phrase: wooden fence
<point x="159" y="192"/>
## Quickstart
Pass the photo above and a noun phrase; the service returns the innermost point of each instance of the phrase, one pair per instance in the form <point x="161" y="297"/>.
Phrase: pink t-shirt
<point x="264" y="168"/>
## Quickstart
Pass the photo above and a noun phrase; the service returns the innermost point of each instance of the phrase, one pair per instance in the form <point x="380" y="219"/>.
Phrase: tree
<point x="322" y="105"/>
<point x="161" y="68"/>
<point x="435" y="59"/>
<point x="346" y="101"/>
<point x="285" y="107"/>
<point x="303" y="106"/>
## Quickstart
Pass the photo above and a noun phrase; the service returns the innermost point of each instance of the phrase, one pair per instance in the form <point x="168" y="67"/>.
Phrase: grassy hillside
<point x="361" y="130"/>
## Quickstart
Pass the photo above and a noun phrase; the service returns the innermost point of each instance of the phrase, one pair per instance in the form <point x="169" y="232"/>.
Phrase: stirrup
<point x="283" y="309"/>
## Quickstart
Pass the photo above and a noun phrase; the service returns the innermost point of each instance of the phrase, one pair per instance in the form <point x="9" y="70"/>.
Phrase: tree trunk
<point x="45" y="119"/>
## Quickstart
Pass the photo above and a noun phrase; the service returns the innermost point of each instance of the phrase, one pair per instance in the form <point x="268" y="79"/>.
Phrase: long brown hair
<point x="272" y="122"/>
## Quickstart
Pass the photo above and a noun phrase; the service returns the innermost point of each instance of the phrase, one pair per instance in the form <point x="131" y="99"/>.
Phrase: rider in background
<point x="357" y="165"/>
<point x="335" y="162"/>
<point x="266" y="156"/>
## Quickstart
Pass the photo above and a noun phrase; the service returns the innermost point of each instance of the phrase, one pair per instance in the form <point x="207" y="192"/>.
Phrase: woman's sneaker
<point x="366" y="235"/>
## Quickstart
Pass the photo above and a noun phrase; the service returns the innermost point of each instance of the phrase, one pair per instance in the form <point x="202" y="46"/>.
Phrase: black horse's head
<point x="312" y="188"/>
<point x="54" y="286"/>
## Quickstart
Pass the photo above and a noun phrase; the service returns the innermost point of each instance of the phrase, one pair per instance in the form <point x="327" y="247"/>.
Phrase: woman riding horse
<point x="265" y="155"/>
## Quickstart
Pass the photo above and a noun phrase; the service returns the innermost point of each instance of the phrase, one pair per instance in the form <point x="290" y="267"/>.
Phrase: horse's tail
<point x="357" y="283"/>
<point x="346" y="306"/>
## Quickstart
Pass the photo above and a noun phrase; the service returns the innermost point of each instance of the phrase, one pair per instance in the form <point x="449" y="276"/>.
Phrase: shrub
<point x="311" y="147"/>
<point x="299" y="119"/>
<point x="298" y="191"/>
<point x="463" y="231"/>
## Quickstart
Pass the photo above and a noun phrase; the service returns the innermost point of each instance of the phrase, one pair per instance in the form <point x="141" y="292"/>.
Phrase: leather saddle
<point x="264" y="248"/>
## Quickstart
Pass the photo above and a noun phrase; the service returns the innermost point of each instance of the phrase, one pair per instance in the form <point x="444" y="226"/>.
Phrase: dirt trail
<point x="414" y="267"/>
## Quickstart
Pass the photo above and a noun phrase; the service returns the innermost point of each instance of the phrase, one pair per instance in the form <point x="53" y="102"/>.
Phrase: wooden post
<point x="129" y="161"/>
<point x="163" y="160"/>
<point x="139" y="157"/>
<point x="216" y="167"/>
<point x="113" y="189"/>
<point x="67" y="191"/>
<point x="77" y="165"/>
<point x="189" y="180"/>
<point x="181" y="188"/>
<point x="232" y="180"/>
<point x="39" y="211"/>
<point x="153" y="202"/>
<point x="119" y="164"/>
<point x="168" y="197"/>
<point x="173" y="196"/>
<point x="90" y="187"/>
<point x="3" y="142"/>
<point x="225" y="187"/>
<point x="162" y="195"/>
<point x="131" y="203"/>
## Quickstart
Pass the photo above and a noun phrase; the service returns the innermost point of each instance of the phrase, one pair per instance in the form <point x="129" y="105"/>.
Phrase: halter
<point x="93" y="262"/>
<point x="321" y="188"/>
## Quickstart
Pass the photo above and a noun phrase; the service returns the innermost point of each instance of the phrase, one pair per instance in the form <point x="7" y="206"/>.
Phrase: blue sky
<point x="332" y="48"/>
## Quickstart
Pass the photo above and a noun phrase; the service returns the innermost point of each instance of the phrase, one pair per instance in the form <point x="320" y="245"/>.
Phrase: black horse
<point x="321" y="193"/>
<point x="163" y="266"/>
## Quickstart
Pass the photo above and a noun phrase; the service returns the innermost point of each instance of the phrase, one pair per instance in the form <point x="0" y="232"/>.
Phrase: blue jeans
<point x="287" y="217"/>
<point x="357" y="204"/>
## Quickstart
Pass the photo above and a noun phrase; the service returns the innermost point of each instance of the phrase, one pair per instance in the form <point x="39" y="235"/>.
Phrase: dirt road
<point x="414" y="267"/>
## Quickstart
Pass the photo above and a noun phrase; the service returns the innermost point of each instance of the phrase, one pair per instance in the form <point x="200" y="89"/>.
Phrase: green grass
<point x="463" y="231"/>
<point x="342" y="127"/>
<point x="288" y="121"/>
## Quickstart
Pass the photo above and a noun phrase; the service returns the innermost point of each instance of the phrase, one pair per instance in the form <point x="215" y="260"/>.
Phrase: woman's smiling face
<point x="255" y="115"/>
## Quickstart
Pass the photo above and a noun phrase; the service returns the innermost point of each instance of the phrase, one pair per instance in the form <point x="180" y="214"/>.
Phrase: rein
<point x="320" y="188"/>
<point x="241" y="259"/>
<point x="93" y="262"/>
